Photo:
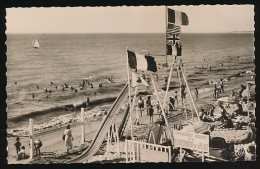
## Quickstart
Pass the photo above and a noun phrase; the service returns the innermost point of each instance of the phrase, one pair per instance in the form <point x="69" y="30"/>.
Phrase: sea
<point x="70" y="58"/>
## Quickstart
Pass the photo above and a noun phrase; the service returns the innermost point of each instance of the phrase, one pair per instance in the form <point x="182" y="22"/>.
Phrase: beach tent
<point x="156" y="135"/>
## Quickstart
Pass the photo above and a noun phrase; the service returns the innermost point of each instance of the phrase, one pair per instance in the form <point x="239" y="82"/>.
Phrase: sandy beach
<point x="53" y="149"/>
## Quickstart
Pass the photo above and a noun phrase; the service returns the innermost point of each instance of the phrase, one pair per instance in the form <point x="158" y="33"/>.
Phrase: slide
<point x="101" y="133"/>
<point x="124" y="122"/>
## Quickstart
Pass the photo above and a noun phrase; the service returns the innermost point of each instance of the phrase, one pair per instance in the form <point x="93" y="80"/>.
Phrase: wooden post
<point x="129" y="93"/>
<point x="133" y="152"/>
<point x="31" y="138"/>
<point x="159" y="99"/>
<point x="117" y="140"/>
<point x="82" y="126"/>
<point x="170" y="158"/>
<point x="183" y="75"/>
<point x="180" y="154"/>
<point x="202" y="156"/>
<point x="126" y="150"/>
<point x="138" y="152"/>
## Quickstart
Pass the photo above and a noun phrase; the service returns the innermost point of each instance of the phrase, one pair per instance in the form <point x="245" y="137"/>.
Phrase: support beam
<point x="183" y="75"/>
<point x="166" y="121"/>
<point x="31" y="138"/>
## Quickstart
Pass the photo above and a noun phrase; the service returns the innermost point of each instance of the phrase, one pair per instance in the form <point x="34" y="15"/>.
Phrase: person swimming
<point x="15" y="83"/>
<point x="37" y="87"/>
<point x="33" y="96"/>
<point x="51" y="82"/>
<point x="76" y="90"/>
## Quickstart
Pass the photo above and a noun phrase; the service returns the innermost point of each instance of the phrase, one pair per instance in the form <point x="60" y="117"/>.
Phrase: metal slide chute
<point x="101" y="133"/>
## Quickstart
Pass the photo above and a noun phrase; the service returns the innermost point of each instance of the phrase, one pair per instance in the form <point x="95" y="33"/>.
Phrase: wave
<point x="55" y="110"/>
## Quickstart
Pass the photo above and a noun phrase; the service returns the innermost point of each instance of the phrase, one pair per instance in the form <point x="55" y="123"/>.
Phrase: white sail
<point x="35" y="43"/>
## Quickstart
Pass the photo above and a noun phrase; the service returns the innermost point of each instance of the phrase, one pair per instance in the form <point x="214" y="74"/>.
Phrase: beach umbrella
<point x="226" y="99"/>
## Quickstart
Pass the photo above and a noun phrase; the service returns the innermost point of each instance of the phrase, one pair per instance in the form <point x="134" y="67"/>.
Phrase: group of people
<point x="20" y="150"/>
<point x="75" y="89"/>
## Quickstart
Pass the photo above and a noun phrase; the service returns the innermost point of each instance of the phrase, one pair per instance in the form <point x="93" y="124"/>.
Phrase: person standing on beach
<point x="68" y="138"/>
<point x="197" y="93"/>
<point x="222" y="85"/>
<point x="17" y="145"/>
<point x="148" y="104"/>
<point x="140" y="104"/>
<point x="151" y="113"/>
<point x="176" y="99"/>
<point x="183" y="93"/>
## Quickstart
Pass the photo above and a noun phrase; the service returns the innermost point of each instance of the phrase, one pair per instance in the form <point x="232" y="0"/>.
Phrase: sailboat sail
<point x="35" y="43"/>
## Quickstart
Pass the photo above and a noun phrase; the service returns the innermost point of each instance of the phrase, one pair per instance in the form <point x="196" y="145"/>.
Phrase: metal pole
<point x="82" y="126"/>
<point x="159" y="99"/>
<point x="168" y="84"/>
<point x="129" y="93"/>
<point x="166" y="27"/>
<point x="183" y="75"/>
<point x="31" y="138"/>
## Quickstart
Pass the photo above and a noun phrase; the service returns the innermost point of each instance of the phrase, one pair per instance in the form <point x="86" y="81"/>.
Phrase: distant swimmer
<point x="62" y="89"/>
<point x="76" y="90"/>
<point x="46" y="90"/>
<point x="50" y="90"/>
<point x="56" y="87"/>
<point x="51" y="82"/>
<point x="91" y="86"/>
<point x="33" y="96"/>
<point x="100" y="85"/>
<point x="95" y="93"/>
<point x="15" y="83"/>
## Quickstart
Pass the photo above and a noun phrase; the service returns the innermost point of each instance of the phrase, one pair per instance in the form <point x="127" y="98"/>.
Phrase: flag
<point x="141" y="62"/>
<point x="175" y="29"/>
<point x="171" y="38"/>
<point x="137" y="80"/>
<point x="171" y="50"/>
<point x="177" y="17"/>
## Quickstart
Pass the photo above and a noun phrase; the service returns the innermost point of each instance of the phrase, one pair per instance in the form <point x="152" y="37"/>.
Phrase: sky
<point x="148" y="19"/>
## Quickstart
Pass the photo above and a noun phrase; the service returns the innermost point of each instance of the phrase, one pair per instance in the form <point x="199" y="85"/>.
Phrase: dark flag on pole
<point x="177" y="17"/>
<point x="141" y="62"/>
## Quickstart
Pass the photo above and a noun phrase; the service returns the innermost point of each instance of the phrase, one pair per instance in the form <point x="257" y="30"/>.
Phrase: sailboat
<point x="35" y="43"/>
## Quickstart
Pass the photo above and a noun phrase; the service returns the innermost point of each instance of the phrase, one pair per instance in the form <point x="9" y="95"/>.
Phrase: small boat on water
<point x="35" y="44"/>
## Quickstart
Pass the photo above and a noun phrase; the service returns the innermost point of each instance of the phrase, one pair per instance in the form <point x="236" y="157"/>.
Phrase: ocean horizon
<point x="71" y="57"/>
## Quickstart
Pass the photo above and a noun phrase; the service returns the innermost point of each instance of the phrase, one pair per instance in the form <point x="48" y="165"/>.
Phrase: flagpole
<point x="159" y="99"/>
<point x="166" y="25"/>
<point x="129" y="92"/>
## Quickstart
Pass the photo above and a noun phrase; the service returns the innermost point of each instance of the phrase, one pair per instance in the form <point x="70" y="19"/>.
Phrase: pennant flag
<point x="141" y="62"/>
<point x="171" y="50"/>
<point x="137" y="80"/>
<point x="177" y="17"/>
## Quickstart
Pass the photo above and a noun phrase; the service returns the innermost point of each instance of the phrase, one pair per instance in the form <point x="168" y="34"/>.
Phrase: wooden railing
<point x="145" y="152"/>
